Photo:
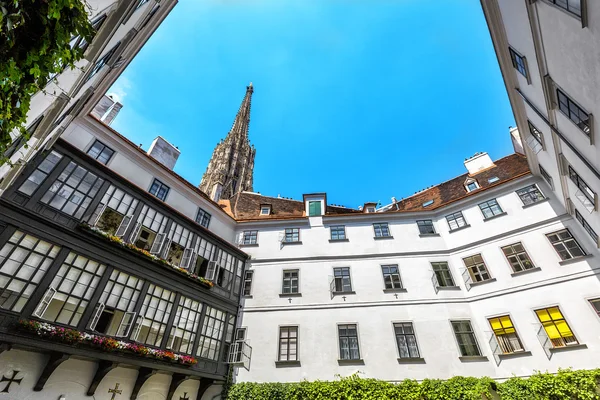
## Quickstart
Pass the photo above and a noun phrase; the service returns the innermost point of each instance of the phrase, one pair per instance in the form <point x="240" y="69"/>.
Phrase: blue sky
<point x="364" y="100"/>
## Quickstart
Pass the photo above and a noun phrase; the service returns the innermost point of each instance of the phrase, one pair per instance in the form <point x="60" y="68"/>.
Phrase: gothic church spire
<point x="231" y="166"/>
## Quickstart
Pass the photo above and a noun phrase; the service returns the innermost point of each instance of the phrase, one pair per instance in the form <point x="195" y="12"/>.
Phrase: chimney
<point x="164" y="152"/>
<point x="516" y="140"/>
<point x="107" y="109"/>
<point x="478" y="162"/>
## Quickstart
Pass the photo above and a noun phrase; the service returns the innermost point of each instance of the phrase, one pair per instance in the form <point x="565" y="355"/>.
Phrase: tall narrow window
<point x="586" y="226"/>
<point x="203" y="218"/>
<point x="288" y="343"/>
<point x="348" y="337"/>
<point x="477" y="269"/>
<point x="442" y="274"/>
<point x="24" y="260"/>
<point x="73" y="287"/>
<point x="154" y="315"/>
<point x="456" y="220"/>
<point x="530" y="195"/>
<point x="248" y="275"/>
<point x="536" y="133"/>
<point x="596" y="305"/>
<point x="183" y="333"/>
<point x="338" y="232"/>
<point x="572" y="111"/>
<point x="382" y="229"/>
<point x="506" y="334"/>
<point x="583" y="187"/>
<point x="406" y="340"/>
<point x="213" y="324"/>
<point x="517" y="257"/>
<point x="290" y="281"/>
<point x="40" y="174"/>
<point x="342" y="280"/>
<point x="547" y="177"/>
<point x="518" y="62"/>
<point x="101" y="152"/>
<point x="565" y="244"/>
<point x="391" y="277"/>
<point x="102" y="61"/>
<point x="490" y="208"/>
<point x="556" y="327"/>
<point x="426" y="227"/>
<point x="314" y="208"/>
<point x="159" y="189"/>
<point x="465" y="337"/>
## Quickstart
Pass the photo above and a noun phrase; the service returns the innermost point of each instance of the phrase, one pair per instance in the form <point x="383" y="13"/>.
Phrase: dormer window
<point x="314" y="208"/>
<point x="471" y="184"/>
<point x="265" y="210"/>
<point x="370" y="209"/>
<point x="315" y="204"/>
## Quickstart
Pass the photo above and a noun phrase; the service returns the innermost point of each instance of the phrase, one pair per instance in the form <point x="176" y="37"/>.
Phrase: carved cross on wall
<point x="10" y="381"/>
<point x="184" y="397"/>
<point x="290" y="300"/>
<point x="115" y="391"/>
<point x="396" y="295"/>
<point x="344" y="297"/>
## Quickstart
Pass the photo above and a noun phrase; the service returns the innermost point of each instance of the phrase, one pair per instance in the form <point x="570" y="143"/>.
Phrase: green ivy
<point x="34" y="44"/>
<point x="565" y="385"/>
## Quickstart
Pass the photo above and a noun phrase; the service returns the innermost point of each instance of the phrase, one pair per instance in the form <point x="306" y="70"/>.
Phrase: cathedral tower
<point x="231" y="166"/>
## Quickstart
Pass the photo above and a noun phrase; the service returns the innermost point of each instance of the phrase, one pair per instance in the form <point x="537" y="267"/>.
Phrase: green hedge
<point x="566" y="384"/>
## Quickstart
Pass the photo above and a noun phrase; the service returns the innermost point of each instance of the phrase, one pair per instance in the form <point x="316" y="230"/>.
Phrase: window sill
<point x="291" y="243"/>
<point x="411" y="360"/>
<point x="526" y="271"/>
<point x="338" y="240"/>
<point x="395" y="290"/>
<point x="287" y="364"/>
<point x="249" y="245"/>
<point x="536" y="203"/>
<point x="290" y="294"/>
<point x="358" y="361"/>
<point x="247" y="296"/>
<point x="574" y="260"/>
<point x="483" y="282"/>
<point x="343" y="293"/>
<point x="459" y="228"/>
<point x="448" y="288"/>
<point x="382" y="237"/>
<point x="516" y="354"/>
<point x="567" y="348"/>
<point x="502" y="214"/>
<point x="429" y="234"/>
<point x="473" y="358"/>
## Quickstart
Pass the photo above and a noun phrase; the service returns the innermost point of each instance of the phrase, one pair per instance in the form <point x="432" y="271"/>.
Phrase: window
<point x="585" y="189"/>
<point x="40" y="174"/>
<point x="102" y="62"/>
<point x="586" y="226"/>
<point x="556" y="327"/>
<point x="314" y="208"/>
<point x="150" y="226"/>
<point x="115" y="314"/>
<point x="265" y="210"/>
<point x="24" y="260"/>
<point x="518" y="62"/>
<point x="288" y="343"/>
<point x="573" y="112"/>
<point x="506" y="334"/>
<point x="406" y="340"/>
<point x="203" y="218"/>
<point x="471" y="185"/>
<point x="141" y="3"/>
<point x="250" y="237"/>
<point x="348" y="336"/>
<point x="530" y="195"/>
<point x="370" y="209"/>
<point x="20" y="140"/>
<point x="211" y="334"/>
<point x="546" y="176"/>
<point x="456" y="220"/>
<point x="114" y="213"/>
<point x="338" y="232"/>
<point x="292" y="235"/>
<point x="382" y="229"/>
<point x="73" y="190"/>
<point x="100" y="152"/>
<point x="341" y="278"/>
<point x="465" y="337"/>
<point x="83" y="44"/>
<point x="517" y="257"/>
<point x="428" y="203"/>
<point x="70" y="290"/>
<point x="426" y="227"/>
<point x="443" y="274"/>
<point x="536" y="133"/>
<point x="596" y="304"/>
<point x="572" y="6"/>
<point x="565" y="244"/>
<point x="152" y="322"/>
<point x="290" y="281"/>
<point x="391" y="277"/>
<point x="493" y="179"/>
<point x="248" y="275"/>
<point x="187" y="319"/>
<point x="476" y="267"/>
<point x="159" y="189"/>
<point x="490" y="208"/>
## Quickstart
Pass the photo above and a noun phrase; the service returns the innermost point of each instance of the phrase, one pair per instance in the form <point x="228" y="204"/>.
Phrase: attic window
<point x="265" y="210"/>
<point x="428" y="203"/>
<point x="493" y="179"/>
<point x="370" y="209"/>
<point x="471" y="185"/>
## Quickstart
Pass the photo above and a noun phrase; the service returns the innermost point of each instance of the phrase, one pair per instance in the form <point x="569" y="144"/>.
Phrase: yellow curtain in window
<point x="555" y="313"/>
<point x="543" y="315"/>
<point x="563" y="329"/>
<point x="551" y="330"/>
<point x="502" y="325"/>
